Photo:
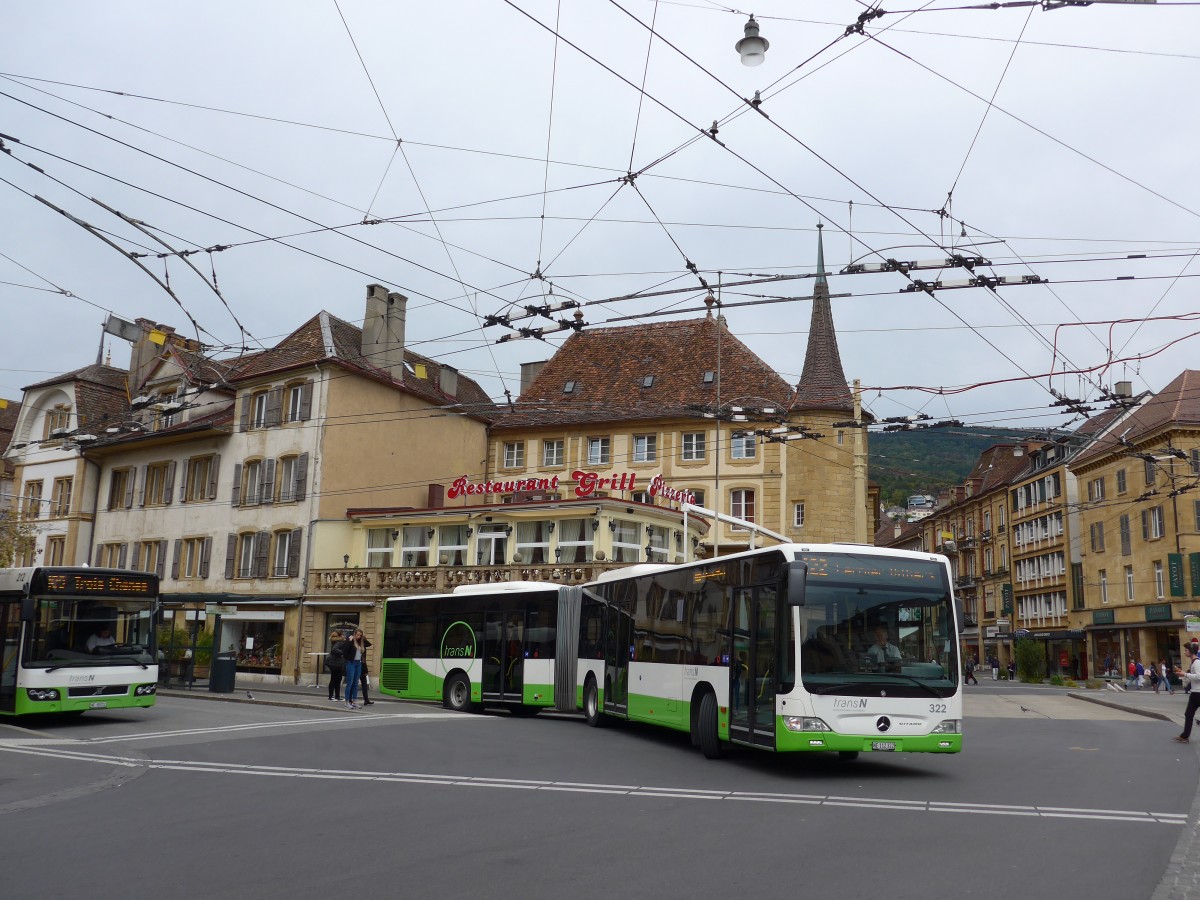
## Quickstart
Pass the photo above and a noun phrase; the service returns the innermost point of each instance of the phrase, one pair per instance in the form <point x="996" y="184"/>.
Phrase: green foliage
<point x="1031" y="661"/>
<point x="174" y="643"/>
<point x="1058" y="681"/>
<point x="920" y="462"/>
<point x="17" y="537"/>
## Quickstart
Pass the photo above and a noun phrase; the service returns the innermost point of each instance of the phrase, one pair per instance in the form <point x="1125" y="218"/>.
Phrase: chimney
<point x="530" y="371"/>
<point x="146" y="352"/>
<point x="1123" y="389"/>
<point x="383" y="330"/>
<point x="448" y="380"/>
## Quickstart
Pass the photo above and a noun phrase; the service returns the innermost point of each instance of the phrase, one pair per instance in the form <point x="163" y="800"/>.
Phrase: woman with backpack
<point x="335" y="662"/>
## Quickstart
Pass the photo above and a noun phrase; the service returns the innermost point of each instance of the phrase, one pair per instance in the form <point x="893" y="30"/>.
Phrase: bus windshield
<point x="108" y="632"/>
<point x="873" y="623"/>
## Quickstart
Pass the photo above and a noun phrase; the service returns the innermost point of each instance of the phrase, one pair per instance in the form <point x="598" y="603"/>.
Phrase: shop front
<point x="322" y="620"/>
<point x="1158" y="637"/>
<point x="1065" y="651"/>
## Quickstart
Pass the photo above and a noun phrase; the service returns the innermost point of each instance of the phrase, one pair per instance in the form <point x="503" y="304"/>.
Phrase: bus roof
<point x="505" y="586"/>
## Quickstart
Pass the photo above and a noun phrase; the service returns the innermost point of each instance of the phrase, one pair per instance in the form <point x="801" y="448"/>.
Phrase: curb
<point x="227" y="698"/>
<point x="1148" y="713"/>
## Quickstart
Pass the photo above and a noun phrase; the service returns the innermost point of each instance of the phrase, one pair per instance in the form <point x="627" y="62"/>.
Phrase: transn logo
<point x="850" y="703"/>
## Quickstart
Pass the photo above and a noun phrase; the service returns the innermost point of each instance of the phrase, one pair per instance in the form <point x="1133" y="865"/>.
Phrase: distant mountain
<point x="923" y="460"/>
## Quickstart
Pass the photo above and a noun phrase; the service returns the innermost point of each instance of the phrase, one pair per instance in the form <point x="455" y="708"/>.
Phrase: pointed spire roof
<point x="822" y="382"/>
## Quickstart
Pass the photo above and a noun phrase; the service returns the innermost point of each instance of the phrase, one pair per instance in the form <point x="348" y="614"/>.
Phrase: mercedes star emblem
<point x="883" y="723"/>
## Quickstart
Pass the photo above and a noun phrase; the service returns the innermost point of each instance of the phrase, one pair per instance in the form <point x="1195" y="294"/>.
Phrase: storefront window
<point x="452" y="545"/>
<point x="533" y="542"/>
<point x="259" y="645"/>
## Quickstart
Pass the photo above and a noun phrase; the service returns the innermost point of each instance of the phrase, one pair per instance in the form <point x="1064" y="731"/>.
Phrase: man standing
<point x="995" y="663"/>
<point x="1190" y="678"/>
<point x="969" y="668"/>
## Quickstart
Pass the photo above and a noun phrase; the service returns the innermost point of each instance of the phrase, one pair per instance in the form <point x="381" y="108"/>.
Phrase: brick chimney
<point x="383" y="330"/>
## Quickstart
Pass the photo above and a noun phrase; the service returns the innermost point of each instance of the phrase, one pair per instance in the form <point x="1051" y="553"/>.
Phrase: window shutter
<point x="175" y="555"/>
<point x="1145" y="525"/>
<point x="262" y="549"/>
<point x="266" y="491"/>
<point x="183" y="484"/>
<point x="99" y="555"/>
<point x="230" y="555"/>
<point x="205" y="556"/>
<point x="293" y="560"/>
<point x="142" y="494"/>
<point x="306" y="401"/>
<point x="212" y="476"/>
<point x="235" y="496"/>
<point x="136" y="557"/>
<point x="247" y="402"/>
<point x="161" y="567"/>
<point x="301" y="477"/>
<point x="169" y="482"/>
<point x="129" y="486"/>
<point x="274" y="405"/>
<point x="122" y="555"/>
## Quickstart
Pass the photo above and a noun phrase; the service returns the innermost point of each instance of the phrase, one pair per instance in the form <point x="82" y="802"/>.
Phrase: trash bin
<point x="221" y="675"/>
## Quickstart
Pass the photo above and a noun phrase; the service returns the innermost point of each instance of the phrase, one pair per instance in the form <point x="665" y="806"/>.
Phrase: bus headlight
<point x="948" y="726"/>
<point x="805" y="723"/>
<point x="143" y="689"/>
<point x="42" y="694"/>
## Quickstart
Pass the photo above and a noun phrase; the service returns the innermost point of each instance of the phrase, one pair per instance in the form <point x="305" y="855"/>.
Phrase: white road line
<point x="867" y="803"/>
<point x="256" y="726"/>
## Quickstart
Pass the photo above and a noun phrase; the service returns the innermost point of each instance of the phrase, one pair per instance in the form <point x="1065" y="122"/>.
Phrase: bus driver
<point x="883" y="653"/>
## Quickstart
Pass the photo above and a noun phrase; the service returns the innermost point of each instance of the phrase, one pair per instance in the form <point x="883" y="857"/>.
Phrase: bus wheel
<point x="706" y="724"/>
<point x="591" y="704"/>
<point x="457" y="693"/>
<point x="847" y="755"/>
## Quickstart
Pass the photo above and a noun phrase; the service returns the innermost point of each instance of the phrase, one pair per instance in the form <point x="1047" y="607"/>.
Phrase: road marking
<point x="677" y="793"/>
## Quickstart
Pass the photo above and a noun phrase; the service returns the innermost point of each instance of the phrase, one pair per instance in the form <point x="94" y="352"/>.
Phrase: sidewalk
<point x="295" y="696"/>
<point x="1168" y="707"/>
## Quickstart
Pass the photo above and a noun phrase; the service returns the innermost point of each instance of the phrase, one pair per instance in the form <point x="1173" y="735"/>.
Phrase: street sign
<point x="1191" y="623"/>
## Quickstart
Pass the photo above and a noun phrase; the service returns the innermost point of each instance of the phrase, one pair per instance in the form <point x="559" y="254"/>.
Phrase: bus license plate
<point x="99" y="705"/>
<point x="883" y="745"/>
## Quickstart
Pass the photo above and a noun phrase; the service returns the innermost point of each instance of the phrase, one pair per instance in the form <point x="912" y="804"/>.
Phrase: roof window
<point x="709" y="375"/>
<point x="569" y="387"/>
<point x="648" y="381"/>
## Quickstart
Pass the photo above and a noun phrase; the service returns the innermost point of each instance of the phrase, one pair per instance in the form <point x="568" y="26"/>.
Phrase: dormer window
<point x="569" y="387"/>
<point x="648" y="381"/>
<point x="709" y="376"/>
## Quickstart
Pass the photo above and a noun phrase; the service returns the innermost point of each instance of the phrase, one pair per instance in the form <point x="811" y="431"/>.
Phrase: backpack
<point x="335" y="659"/>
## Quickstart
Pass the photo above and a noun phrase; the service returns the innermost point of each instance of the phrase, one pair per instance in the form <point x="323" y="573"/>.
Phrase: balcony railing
<point x="330" y="584"/>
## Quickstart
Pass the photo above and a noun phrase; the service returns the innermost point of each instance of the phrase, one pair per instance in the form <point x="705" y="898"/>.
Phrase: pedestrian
<point x="1164" y="677"/>
<point x="335" y="662"/>
<point x="1108" y="665"/>
<point x="1153" y="670"/>
<point x="1190" y="677"/>
<point x="364" y="678"/>
<point x="1012" y="671"/>
<point x="970" y="670"/>
<point x="1131" y="673"/>
<point x="355" y="652"/>
<point x="1140" y="673"/>
<point x="995" y="661"/>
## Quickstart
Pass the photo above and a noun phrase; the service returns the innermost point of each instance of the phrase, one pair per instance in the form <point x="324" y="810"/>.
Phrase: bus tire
<point x="591" y="704"/>
<point x="847" y="755"/>
<point x="456" y="694"/>
<point x="706" y="726"/>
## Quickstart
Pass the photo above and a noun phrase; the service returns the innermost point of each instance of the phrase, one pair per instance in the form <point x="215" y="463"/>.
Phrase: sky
<point x="483" y="156"/>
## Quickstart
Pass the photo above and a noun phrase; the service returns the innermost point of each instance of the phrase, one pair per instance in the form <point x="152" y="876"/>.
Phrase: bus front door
<point x="503" y="656"/>
<point x="10" y="635"/>
<point x="752" y="667"/>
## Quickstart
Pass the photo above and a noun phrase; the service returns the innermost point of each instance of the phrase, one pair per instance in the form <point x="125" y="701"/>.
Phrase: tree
<point x="1031" y="661"/>
<point x="17" y="537"/>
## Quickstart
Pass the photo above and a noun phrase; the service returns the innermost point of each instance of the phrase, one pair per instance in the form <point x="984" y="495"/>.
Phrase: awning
<point x="1126" y="626"/>
<point x="1060" y="634"/>
<point x="340" y="604"/>
<point x="226" y="599"/>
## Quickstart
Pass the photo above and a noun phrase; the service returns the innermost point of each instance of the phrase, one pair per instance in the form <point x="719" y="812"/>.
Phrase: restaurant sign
<point x="586" y="484"/>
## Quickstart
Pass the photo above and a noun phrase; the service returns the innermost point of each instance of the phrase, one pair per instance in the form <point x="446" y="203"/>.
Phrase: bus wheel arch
<point x="456" y="691"/>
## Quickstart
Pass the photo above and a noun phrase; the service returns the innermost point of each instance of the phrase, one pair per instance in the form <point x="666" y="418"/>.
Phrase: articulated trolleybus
<point x="833" y="647"/>
<point x="77" y="639"/>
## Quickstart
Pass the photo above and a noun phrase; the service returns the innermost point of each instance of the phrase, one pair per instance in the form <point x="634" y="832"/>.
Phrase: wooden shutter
<point x="293" y="560"/>
<point x="266" y="491"/>
<point x="306" y="393"/>
<point x="205" y="557"/>
<point x="212" y="476"/>
<point x="136" y="557"/>
<point x="230" y="555"/>
<point x="1145" y="525"/>
<point x="235" y="496"/>
<point x="183" y="484"/>
<point x="175" y="555"/>
<point x="262" y="549"/>
<point x="142" y="495"/>
<point x="247" y="402"/>
<point x="122" y="555"/>
<point x="131" y="475"/>
<point x="169" y="482"/>
<point x="274" y="407"/>
<point x="301" y="477"/>
<point x="161" y="567"/>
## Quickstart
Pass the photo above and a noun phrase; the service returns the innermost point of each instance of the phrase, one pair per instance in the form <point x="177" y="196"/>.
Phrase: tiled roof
<point x="609" y="366"/>
<point x="103" y="375"/>
<point x="822" y="382"/>
<point x="200" y="368"/>
<point x="326" y="338"/>
<point x="1177" y="404"/>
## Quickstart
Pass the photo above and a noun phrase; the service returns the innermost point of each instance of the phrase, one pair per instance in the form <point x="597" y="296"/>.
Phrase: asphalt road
<point x="1051" y="797"/>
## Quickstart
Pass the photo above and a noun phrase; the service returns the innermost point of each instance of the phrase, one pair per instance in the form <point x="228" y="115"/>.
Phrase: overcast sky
<point x="495" y="151"/>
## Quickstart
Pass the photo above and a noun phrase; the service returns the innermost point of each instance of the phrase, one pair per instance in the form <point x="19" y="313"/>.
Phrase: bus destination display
<point x="98" y="584"/>
<point x="839" y="567"/>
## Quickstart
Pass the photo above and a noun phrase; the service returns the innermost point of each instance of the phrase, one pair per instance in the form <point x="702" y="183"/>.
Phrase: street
<point x="195" y="797"/>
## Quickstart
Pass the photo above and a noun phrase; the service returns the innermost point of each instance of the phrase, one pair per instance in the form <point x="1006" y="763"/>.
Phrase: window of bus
<point x="452" y="545"/>
<point x="626" y="546"/>
<point x="533" y="542"/>
<point x="72" y="630"/>
<point x="576" y="541"/>
<point x="414" y="546"/>
<point x="379" y="548"/>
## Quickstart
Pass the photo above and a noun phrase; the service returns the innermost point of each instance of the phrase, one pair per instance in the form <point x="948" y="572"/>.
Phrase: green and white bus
<point x="799" y="647"/>
<point x="833" y="647"/>
<point x="483" y="644"/>
<point x="76" y="639"/>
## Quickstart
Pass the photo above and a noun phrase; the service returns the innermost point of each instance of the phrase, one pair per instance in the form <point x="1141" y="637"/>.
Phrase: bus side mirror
<point x="797" y="578"/>
<point x="28" y="609"/>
